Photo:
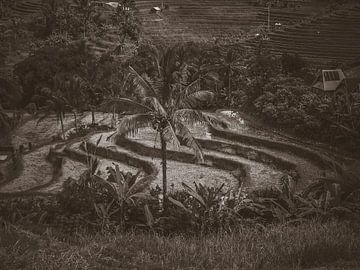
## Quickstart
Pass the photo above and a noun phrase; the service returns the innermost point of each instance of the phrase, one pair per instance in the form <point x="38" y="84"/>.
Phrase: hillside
<point x="315" y="31"/>
<point x="208" y="19"/>
<point x="332" y="37"/>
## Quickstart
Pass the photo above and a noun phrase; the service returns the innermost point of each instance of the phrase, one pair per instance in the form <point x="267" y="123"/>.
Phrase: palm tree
<point x="86" y="9"/>
<point x="127" y="23"/>
<point x="167" y="103"/>
<point x="13" y="33"/>
<point x="55" y="103"/>
<point x="118" y="92"/>
<point x="4" y="121"/>
<point x="204" y="72"/>
<point x="5" y="127"/>
<point x="72" y="92"/>
<point x="231" y="62"/>
<point x="49" y="9"/>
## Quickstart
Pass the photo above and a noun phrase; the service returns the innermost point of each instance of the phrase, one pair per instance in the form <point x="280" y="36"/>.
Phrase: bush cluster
<point x="93" y="205"/>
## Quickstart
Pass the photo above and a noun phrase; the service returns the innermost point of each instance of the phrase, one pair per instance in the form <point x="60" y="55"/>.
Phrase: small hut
<point x="329" y="80"/>
<point x="155" y="10"/>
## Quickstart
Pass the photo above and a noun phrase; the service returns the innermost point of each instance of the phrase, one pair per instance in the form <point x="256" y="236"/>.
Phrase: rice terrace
<point x="178" y="134"/>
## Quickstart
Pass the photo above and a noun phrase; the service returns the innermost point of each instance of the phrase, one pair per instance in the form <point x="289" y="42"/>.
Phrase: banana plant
<point x="208" y="204"/>
<point x="104" y="212"/>
<point x="125" y="191"/>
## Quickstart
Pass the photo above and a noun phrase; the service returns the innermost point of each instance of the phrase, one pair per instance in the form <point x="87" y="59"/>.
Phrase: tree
<point x="292" y="63"/>
<point x="38" y="70"/>
<point x="13" y="32"/>
<point x="4" y="121"/>
<point x="166" y="102"/>
<point x="86" y="9"/>
<point x="49" y="10"/>
<point x="55" y="103"/>
<point x="92" y="73"/>
<point x="10" y="93"/>
<point x="127" y="23"/>
<point x="231" y="62"/>
<point x="201" y="63"/>
<point x="72" y="90"/>
<point x="68" y="21"/>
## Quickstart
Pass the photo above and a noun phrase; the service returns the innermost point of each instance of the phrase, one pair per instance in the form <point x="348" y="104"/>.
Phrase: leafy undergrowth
<point x="311" y="244"/>
<point x="118" y="223"/>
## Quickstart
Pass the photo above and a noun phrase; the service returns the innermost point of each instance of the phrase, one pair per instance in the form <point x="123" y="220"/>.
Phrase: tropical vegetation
<point x="83" y="58"/>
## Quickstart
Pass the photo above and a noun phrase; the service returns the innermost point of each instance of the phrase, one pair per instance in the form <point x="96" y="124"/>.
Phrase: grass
<point x="308" y="245"/>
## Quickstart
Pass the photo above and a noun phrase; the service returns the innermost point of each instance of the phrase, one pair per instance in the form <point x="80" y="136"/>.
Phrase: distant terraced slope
<point x="321" y="38"/>
<point x="188" y="20"/>
<point x="330" y="38"/>
<point x="27" y="8"/>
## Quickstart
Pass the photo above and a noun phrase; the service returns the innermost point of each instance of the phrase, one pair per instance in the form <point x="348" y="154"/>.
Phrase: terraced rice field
<point x="332" y="37"/>
<point x="207" y="19"/>
<point x="27" y="8"/>
<point x="315" y="32"/>
<point x="228" y="160"/>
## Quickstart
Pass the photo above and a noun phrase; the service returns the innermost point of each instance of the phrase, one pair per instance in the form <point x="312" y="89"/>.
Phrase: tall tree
<point x="55" y="103"/>
<point x="13" y="32"/>
<point x="4" y="121"/>
<point x="167" y="103"/>
<point x="232" y="61"/>
<point x="126" y="21"/>
<point x="86" y="10"/>
<point x="49" y="11"/>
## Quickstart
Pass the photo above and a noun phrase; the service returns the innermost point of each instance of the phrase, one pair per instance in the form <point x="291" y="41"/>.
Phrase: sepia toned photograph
<point x="180" y="135"/>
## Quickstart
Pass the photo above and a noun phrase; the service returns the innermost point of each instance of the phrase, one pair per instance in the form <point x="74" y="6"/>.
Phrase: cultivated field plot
<point x="206" y="19"/>
<point x="258" y="163"/>
<point x="332" y="37"/>
<point x="314" y="31"/>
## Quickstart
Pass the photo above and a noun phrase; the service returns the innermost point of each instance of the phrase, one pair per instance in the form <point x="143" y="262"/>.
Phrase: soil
<point x="37" y="171"/>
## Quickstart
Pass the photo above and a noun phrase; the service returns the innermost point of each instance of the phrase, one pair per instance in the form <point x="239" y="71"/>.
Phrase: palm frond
<point x="149" y="217"/>
<point x="191" y="117"/>
<point x="193" y="193"/>
<point x="131" y="123"/>
<point x="179" y="204"/>
<point x="209" y="71"/>
<point x="169" y="135"/>
<point x="197" y="100"/>
<point x="191" y="87"/>
<point x="119" y="102"/>
<point x="141" y="185"/>
<point x="142" y="87"/>
<point x="189" y="140"/>
<point x="215" y="121"/>
<point x="156" y="106"/>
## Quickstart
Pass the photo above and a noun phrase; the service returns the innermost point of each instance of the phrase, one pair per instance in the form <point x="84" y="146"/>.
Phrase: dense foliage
<point x="123" y="202"/>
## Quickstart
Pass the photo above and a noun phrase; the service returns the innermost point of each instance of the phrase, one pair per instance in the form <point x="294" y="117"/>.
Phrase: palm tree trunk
<point x="229" y="83"/>
<point x="163" y="161"/>
<point x="62" y="125"/>
<point x="75" y="119"/>
<point x="84" y="29"/>
<point x="93" y="117"/>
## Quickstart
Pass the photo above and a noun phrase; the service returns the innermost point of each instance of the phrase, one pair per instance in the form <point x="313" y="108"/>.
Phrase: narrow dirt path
<point x="37" y="171"/>
<point x="259" y="174"/>
<point x="178" y="172"/>
<point x="308" y="170"/>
